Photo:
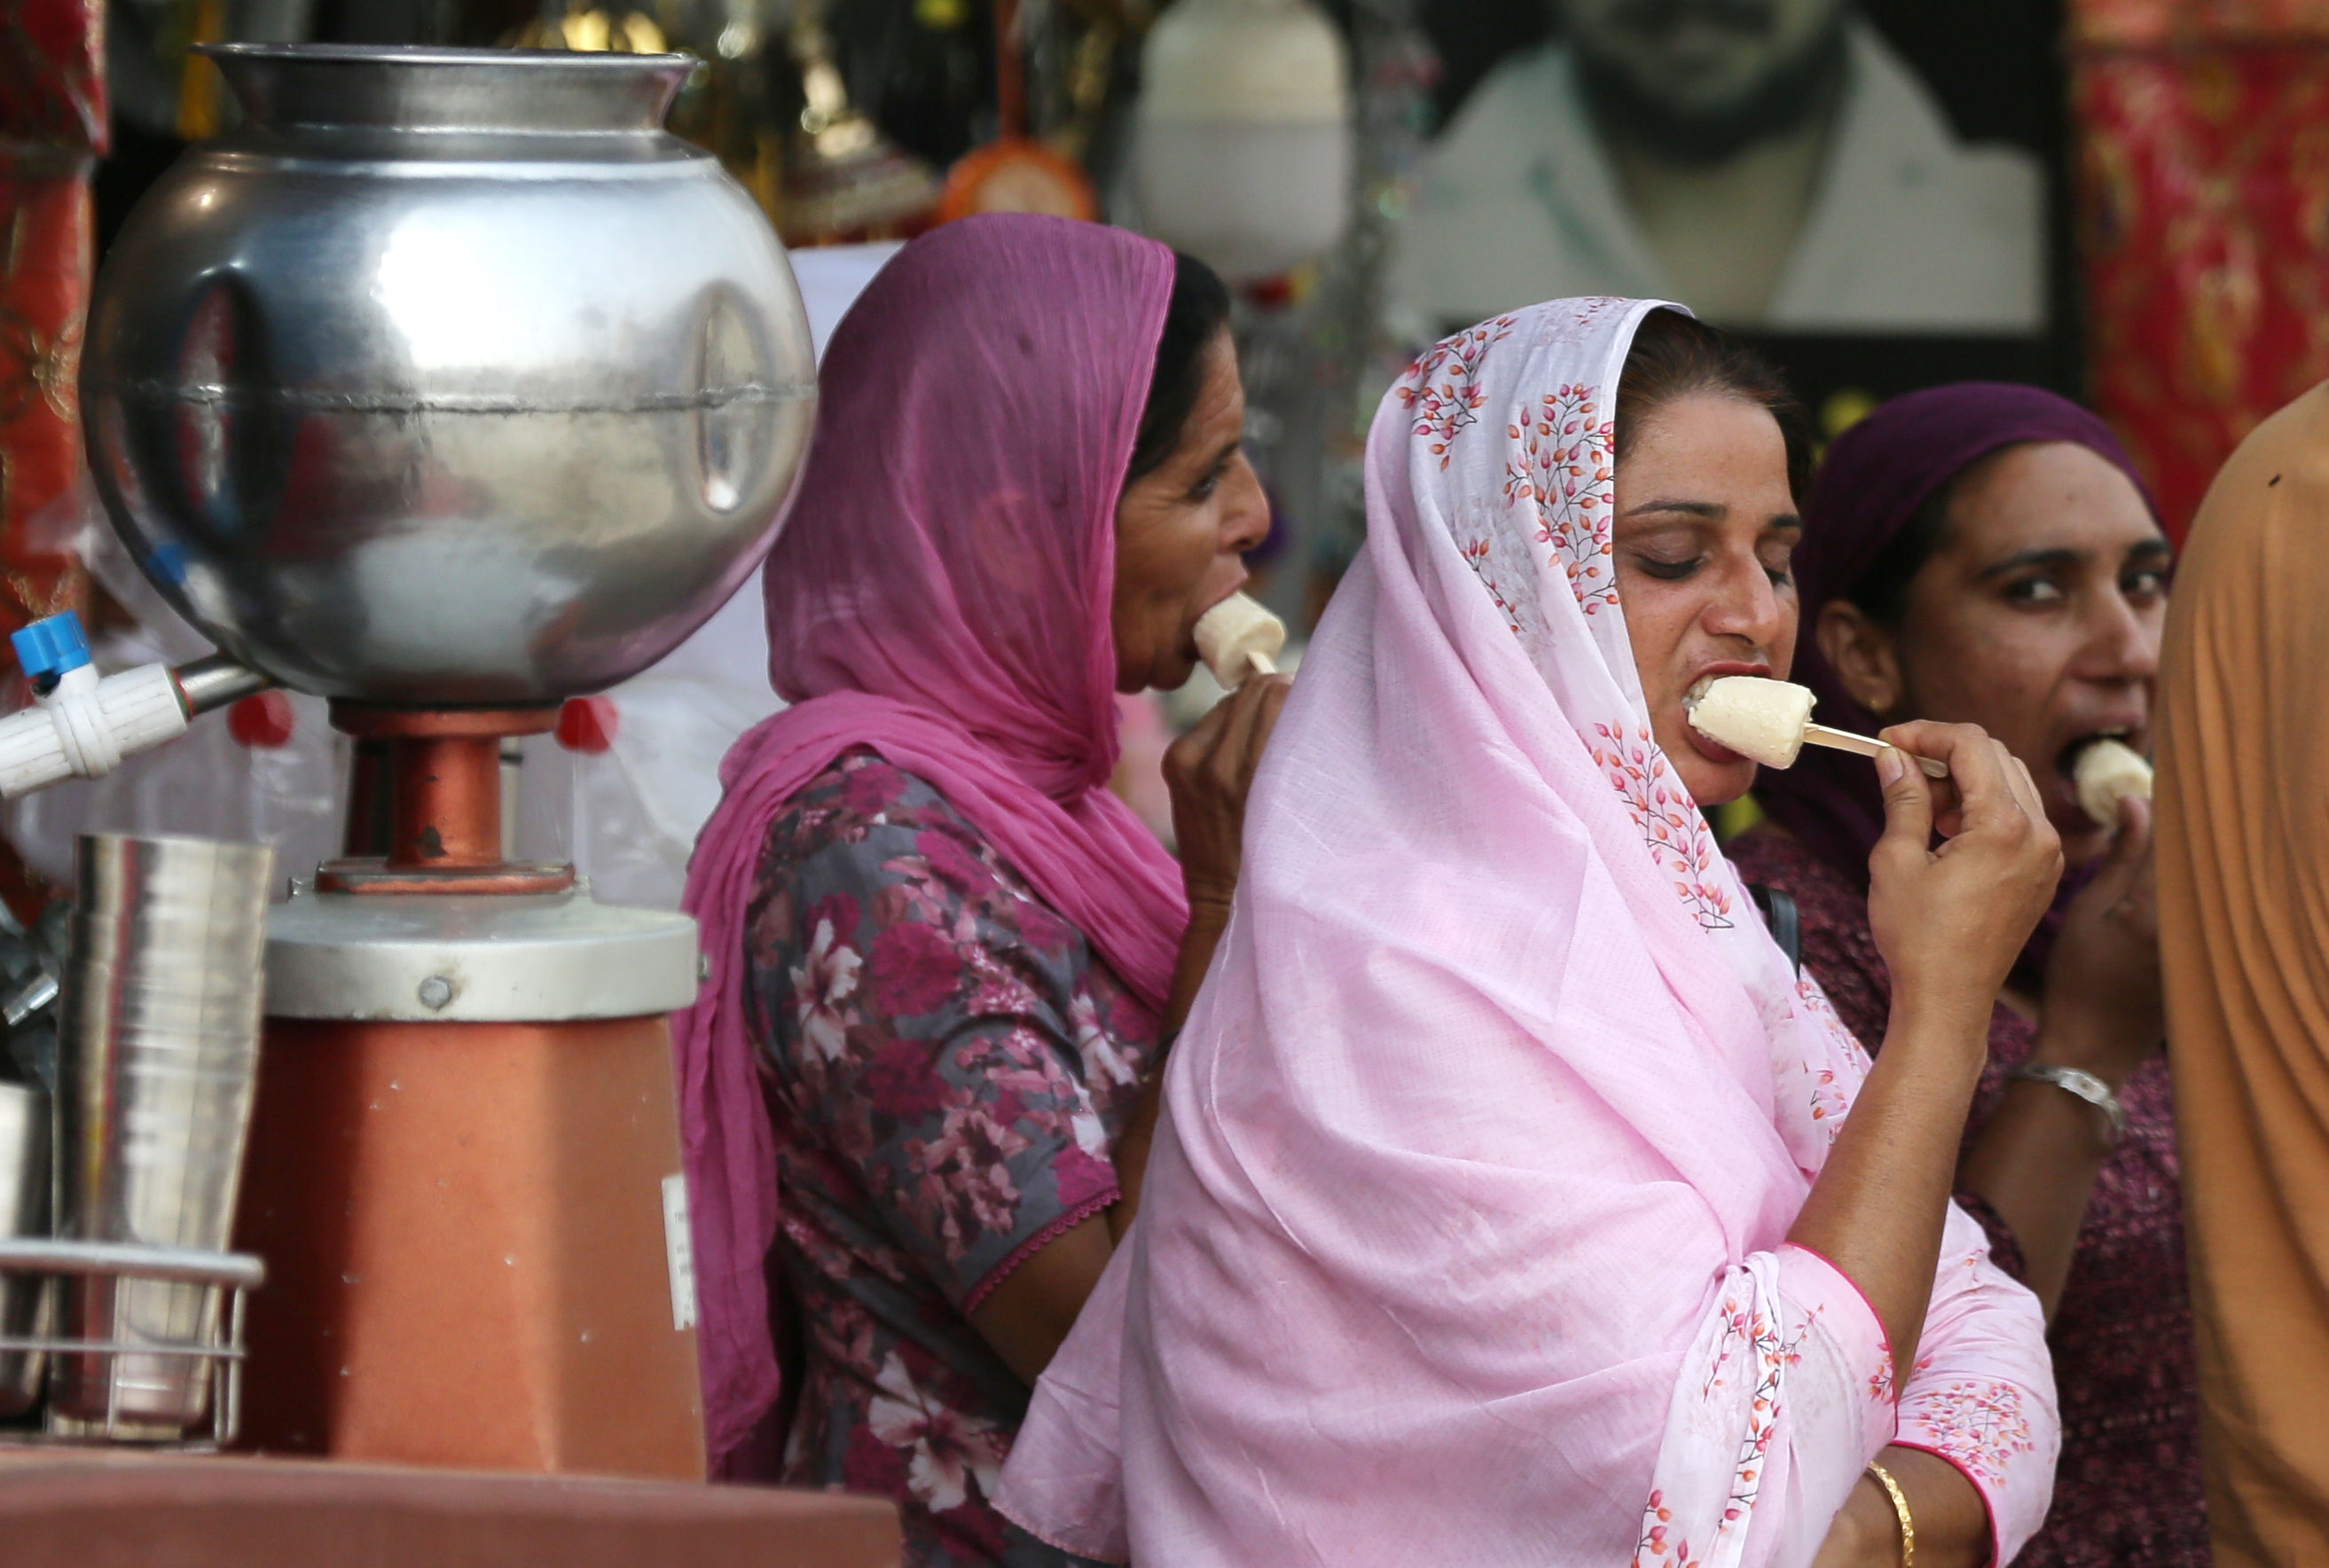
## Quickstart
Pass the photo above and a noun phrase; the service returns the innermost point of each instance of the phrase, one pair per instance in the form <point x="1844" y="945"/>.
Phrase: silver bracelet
<point x="2087" y="1087"/>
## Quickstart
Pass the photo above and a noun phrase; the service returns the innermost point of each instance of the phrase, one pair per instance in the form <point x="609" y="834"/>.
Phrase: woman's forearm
<point x="1877" y="1210"/>
<point x="2036" y="1163"/>
<point x="1207" y="918"/>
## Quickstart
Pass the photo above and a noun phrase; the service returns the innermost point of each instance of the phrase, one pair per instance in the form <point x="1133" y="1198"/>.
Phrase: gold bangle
<point x="1900" y="1509"/>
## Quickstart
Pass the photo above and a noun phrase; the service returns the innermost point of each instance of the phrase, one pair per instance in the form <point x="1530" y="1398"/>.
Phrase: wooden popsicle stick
<point x="1845" y="741"/>
<point x="1262" y="664"/>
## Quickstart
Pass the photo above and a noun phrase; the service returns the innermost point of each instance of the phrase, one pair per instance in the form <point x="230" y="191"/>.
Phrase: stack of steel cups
<point x="158" y="1057"/>
<point x="23" y="1212"/>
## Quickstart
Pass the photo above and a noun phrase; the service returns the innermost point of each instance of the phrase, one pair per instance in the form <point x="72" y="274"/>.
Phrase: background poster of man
<point x="1782" y="166"/>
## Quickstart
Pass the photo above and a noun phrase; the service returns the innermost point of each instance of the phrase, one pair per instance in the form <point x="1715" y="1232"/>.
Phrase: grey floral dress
<point x="950" y="1067"/>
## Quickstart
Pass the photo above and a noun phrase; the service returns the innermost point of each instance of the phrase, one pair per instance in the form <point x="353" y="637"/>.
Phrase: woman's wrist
<point x="2066" y="1038"/>
<point x="1864" y="1533"/>
<point x="1941" y="1032"/>
<point x="1940" y="1008"/>
<point x="1209" y="902"/>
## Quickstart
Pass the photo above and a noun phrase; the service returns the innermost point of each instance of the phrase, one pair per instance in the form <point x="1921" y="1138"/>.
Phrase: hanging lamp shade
<point x="1242" y="142"/>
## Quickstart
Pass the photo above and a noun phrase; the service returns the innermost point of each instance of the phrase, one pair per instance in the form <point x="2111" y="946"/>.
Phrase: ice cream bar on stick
<point x="1237" y="637"/>
<point x="2108" y="772"/>
<point x="1770" y="721"/>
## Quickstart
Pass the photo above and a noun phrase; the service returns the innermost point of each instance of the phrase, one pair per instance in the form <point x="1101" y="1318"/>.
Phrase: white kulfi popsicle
<point x="2108" y="772"/>
<point x="1759" y="719"/>
<point x="1768" y="721"/>
<point x="1237" y="637"/>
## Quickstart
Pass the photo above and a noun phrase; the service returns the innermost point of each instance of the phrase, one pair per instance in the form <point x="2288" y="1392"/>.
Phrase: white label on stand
<point x="679" y="1248"/>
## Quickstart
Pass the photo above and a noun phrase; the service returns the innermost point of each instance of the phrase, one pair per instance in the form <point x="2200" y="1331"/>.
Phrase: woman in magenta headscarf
<point x="946" y="961"/>
<point x="1515" y="1205"/>
<point x="1984" y="553"/>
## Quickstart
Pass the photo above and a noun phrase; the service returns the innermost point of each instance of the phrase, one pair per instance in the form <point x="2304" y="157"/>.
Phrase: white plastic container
<point x="1242" y="143"/>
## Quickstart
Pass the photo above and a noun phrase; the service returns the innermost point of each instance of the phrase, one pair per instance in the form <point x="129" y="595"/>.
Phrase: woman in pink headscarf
<point x="946" y="960"/>
<point x="1514" y="1203"/>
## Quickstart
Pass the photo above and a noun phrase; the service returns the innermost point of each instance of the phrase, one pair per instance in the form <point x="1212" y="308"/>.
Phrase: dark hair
<point x="1199" y="310"/>
<point x="1674" y="356"/>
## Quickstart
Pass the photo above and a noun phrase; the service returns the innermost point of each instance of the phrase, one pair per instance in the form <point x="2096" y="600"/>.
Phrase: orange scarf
<point x="2244" y="923"/>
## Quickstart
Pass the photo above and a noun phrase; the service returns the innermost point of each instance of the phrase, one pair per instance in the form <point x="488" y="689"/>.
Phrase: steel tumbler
<point x="158" y="1057"/>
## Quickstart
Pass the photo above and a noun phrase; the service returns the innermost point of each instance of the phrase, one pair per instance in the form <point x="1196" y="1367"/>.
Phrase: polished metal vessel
<point x="448" y="378"/>
<point x="157" y="1056"/>
<point x="23" y="1212"/>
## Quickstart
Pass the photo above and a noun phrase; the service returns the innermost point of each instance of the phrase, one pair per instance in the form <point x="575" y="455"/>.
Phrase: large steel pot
<point x="448" y="377"/>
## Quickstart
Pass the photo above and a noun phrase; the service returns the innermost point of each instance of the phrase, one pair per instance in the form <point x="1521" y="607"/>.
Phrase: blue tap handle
<point x="47" y="649"/>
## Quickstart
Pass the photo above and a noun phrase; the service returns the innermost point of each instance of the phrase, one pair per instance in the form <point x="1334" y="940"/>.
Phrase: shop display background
<point x="1997" y="70"/>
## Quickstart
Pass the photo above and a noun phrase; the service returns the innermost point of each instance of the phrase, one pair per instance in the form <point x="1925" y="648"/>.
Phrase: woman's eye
<point x="1780" y="572"/>
<point x="2146" y="584"/>
<point x="2034" y="590"/>
<point x="1668" y="570"/>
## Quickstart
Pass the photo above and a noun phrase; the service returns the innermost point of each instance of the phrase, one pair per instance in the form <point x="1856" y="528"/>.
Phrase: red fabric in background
<point x="44" y="276"/>
<point x="53" y="123"/>
<point x="45" y="266"/>
<point x="2204" y="223"/>
<point x="53" y="73"/>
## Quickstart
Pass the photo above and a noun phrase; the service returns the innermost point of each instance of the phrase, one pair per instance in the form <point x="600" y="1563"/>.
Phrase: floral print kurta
<point x="950" y="1067"/>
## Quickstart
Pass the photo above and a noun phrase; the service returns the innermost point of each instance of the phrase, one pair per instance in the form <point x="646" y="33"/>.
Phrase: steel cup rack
<point x="237" y="1273"/>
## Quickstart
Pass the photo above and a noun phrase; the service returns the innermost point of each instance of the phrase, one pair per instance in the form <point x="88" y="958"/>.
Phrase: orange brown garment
<point x="2243" y="853"/>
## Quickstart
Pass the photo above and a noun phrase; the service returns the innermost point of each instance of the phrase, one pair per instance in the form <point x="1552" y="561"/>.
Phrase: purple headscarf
<point x="1874" y="480"/>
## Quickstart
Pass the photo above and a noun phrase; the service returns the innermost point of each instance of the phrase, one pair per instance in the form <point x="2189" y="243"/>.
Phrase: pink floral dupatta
<point x="1464" y="1238"/>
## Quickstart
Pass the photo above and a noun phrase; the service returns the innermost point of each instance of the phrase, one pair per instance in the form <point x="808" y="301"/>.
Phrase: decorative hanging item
<point x="1013" y="174"/>
<point x="588" y="29"/>
<point x="843" y="179"/>
<point x="1243" y="141"/>
<point x="1016" y="175"/>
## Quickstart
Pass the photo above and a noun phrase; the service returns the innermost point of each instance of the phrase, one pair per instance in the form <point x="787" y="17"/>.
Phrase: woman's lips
<point x="1706" y="746"/>
<point x="2066" y="757"/>
<point x="1214" y="601"/>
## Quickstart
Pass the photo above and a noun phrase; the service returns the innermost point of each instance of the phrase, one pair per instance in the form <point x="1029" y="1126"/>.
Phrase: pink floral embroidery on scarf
<point x="1755" y="1331"/>
<point x="1565" y="468"/>
<point x="1658" y="1548"/>
<point x="1452" y="402"/>
<point x="1748" y="1334"/>
<point x="1478" y="554"/>
<point x="1589" y="308"/>
<point x="1669" y="820"/>
<point x="1831" y="1102"/>
<point x="1814" y="1003"/>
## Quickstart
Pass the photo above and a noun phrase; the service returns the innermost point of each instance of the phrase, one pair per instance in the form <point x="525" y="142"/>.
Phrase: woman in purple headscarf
<point x="1986" y="553"/>
<point x="945" y="960"/>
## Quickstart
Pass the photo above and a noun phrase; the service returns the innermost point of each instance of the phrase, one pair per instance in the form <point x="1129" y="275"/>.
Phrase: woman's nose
<point x="2121" y="642"/>
<point x="1245" y="508"/>
<point x="1747" y="604"/>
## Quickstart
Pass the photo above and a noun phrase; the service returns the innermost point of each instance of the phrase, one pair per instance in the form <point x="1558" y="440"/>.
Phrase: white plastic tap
<point x="81" y="725"/>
